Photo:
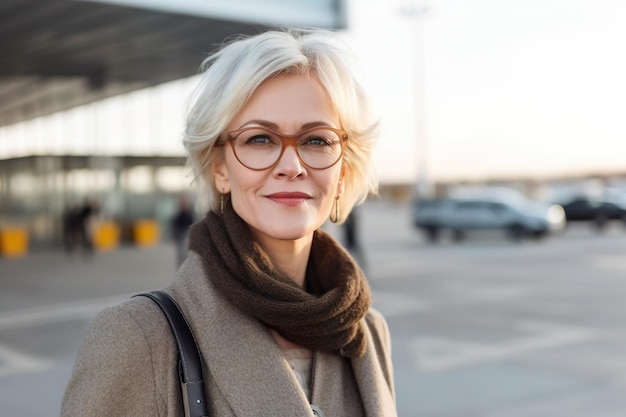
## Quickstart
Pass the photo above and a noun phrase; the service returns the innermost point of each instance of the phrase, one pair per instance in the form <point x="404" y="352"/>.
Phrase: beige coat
<point x="126" y="365"/>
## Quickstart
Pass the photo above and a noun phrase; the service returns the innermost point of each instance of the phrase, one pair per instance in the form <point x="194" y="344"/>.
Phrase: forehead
<point x="288" y="101"/>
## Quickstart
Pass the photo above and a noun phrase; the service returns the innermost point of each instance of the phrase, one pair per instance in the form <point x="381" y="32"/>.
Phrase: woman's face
<point x="288" y="201"/>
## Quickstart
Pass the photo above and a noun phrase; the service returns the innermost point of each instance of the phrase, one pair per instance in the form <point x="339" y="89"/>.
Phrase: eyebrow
<point x="274" y="126"/>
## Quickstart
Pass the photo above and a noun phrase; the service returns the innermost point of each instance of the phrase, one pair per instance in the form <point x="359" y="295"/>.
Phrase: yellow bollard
<point x="145" y="232"/>
<point x="13" y="242"/>
<point x="106" y="236"/>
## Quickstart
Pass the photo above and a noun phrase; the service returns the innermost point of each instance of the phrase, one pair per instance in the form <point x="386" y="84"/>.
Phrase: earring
<point x="221" y="203"/>
<point x="336" y="210"/>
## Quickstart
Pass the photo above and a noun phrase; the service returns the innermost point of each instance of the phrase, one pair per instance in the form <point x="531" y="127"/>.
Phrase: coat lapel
<point x="331" y="395"/>
<point x="250" y="370"/>
<point x="334" y="389"/>
<point x="375" y="394"/>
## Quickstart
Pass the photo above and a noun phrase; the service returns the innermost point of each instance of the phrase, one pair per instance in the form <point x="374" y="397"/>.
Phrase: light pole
<point x="415" y="14"/>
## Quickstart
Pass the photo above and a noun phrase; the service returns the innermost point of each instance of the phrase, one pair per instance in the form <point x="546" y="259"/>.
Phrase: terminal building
<point x="92" y="95"/>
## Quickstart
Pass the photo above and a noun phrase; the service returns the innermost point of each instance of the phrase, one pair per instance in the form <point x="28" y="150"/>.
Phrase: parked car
<point x="517" y="217"/>
<point x="597" y="210"/>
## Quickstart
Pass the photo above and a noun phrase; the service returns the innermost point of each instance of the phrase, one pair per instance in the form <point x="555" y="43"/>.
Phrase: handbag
<point x="189" y="358"/>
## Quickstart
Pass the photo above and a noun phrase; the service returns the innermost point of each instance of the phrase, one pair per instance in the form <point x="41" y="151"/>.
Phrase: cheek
<point x="241" y="178"/>
<point x="330" y="183"/>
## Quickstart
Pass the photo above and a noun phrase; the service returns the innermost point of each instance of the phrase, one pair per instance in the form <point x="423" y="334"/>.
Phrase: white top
<point x="301" y="360"/>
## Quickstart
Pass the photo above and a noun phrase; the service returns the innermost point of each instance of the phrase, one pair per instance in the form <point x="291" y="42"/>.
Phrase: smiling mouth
<point x="290" y="199"/>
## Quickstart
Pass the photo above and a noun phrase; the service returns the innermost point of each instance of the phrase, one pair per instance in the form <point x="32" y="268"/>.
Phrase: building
<point x="84" y="86"/>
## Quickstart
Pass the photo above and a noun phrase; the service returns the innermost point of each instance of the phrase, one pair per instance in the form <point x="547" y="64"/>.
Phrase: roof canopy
<point x="57" y="54"/>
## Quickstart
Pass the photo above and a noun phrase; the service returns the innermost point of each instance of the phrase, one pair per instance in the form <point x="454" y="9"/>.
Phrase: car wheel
<point x="539" y="234"/>
<point x="599" y="222"/>
<point x="516" y="232"/>
<point x="432" y="233"/>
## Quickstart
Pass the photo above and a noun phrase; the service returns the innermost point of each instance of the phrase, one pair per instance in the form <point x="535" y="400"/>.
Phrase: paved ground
<point x="483" y="328"/>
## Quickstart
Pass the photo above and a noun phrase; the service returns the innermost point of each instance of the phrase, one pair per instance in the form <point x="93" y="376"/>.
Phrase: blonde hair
<point x="233" y="73"/>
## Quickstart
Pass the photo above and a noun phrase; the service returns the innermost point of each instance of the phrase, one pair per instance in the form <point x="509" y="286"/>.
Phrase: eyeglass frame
<point x="285" y="141"/>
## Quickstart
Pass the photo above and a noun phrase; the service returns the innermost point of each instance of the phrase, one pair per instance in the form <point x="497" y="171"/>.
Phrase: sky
<point x="528" y="88"/>
<point x="466" y="90"/>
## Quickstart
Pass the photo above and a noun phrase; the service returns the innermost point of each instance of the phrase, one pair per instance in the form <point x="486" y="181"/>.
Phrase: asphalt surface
<point x="481" y="328"/>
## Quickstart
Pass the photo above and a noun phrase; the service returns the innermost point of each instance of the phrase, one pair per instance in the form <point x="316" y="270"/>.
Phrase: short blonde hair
<point x="233" y="73"/>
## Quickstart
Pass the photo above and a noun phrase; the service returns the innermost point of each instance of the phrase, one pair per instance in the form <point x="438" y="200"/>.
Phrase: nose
<point x="289" y="164"/>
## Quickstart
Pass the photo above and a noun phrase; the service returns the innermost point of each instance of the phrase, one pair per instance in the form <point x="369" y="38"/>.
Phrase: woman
<point x="279" y="134"/>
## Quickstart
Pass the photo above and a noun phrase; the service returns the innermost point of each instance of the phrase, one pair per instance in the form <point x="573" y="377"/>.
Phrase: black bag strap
<point x="190" y="360"/>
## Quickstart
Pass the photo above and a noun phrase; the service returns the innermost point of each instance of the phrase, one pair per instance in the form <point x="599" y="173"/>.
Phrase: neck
<point x="329" y="319"/>
<point x="289" y="256"/>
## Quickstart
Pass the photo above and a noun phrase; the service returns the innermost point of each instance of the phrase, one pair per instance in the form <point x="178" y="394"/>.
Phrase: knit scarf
<point x="325" y="316"/>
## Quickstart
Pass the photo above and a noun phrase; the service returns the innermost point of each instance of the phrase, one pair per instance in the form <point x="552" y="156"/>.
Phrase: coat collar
<point x="249" y="368"/>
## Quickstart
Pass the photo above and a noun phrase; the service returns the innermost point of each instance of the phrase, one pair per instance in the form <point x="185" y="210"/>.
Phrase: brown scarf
<point x="325" y="317"/>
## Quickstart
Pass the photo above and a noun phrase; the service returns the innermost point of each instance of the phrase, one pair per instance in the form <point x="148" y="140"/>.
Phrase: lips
<point x="289" y="198"/>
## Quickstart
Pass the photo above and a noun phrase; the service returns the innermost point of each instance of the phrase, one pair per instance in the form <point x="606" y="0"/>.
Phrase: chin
<point x="290" y="230"/>
<point x="286" y="226"/>
<point x="291" y="234"/>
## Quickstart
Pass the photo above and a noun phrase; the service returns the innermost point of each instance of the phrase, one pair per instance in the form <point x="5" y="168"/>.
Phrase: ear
<point x="220" y="173"/>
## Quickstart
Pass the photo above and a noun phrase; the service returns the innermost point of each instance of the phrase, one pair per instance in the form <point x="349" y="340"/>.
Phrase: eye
<point x="258" y="139"/>
<point x="317" y="140"/>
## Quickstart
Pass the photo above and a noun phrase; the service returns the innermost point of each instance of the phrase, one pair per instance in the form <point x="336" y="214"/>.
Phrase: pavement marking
<point x="614" y="262"/>
<point x="83" y="309"/>
<point x="394" y="268"/>
<point x="13" y="362"/>
<point x="462" y="294"/>
<point x="437" y="354"/>
<point x="394" y="304"/>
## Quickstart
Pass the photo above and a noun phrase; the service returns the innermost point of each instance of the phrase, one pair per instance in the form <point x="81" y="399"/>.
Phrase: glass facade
<point x="124" y="152"/>
<point x="145" y="122"/>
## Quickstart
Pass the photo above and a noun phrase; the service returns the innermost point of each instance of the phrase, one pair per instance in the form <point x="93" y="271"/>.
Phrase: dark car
<point x="597" y="210"/>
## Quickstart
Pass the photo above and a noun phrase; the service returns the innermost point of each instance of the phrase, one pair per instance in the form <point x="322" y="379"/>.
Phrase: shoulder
<point x="133" y="320"/>
<point x="380" y="341"/>
<point x="131" y="333"/>
<point x="378" y="328"/>
<point x="374" y="318"/>
<point x="124" y="363"/>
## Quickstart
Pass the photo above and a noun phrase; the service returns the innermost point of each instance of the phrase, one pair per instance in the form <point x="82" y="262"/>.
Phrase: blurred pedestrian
<point x="86" y="223"/>
<point x="180" y="223"/>
<point x="351" y="237"/>
<point x="71" y="229"/>
<point x="280" y="135"/>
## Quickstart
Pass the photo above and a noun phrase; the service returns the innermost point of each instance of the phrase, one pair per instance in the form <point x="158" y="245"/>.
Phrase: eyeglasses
<point x="258" y="148"/>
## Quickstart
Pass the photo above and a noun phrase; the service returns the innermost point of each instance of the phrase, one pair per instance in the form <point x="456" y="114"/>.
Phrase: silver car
<point x="518" y="218"/>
